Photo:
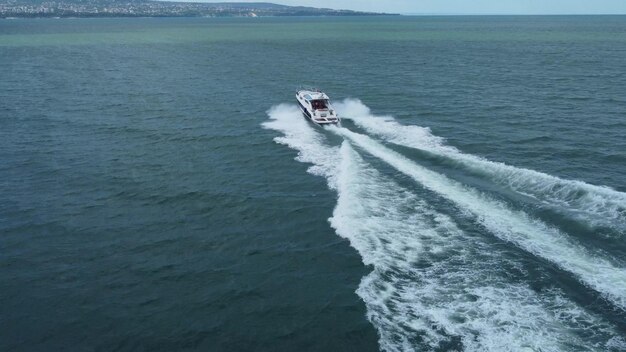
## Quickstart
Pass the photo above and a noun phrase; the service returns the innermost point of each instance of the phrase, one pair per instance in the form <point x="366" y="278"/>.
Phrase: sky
<point x="465" y="6"/>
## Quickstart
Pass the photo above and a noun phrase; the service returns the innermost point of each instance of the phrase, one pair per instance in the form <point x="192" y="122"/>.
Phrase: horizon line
<point x="508" y="14"/>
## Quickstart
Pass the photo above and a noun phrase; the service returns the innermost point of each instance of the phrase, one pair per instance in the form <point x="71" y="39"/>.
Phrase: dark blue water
<point x="473" y="199"/>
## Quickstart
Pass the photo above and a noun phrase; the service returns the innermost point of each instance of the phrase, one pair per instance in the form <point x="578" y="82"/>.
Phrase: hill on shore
<point x="149" y="8"/>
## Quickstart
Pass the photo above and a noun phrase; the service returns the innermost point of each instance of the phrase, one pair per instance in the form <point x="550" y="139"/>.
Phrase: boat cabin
<point x="319" y="104"/>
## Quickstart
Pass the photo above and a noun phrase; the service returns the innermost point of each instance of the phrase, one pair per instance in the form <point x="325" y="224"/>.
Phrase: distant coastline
<point x="146" y="8"/>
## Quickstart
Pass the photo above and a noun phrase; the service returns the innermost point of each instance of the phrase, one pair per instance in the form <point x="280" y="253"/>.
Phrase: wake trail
<point x="300" y="136"/>
<point x="590" y="204"/>
<point x="432" y="283"/>
<point x="432" y="287"/>
<point x="510" y="225"/>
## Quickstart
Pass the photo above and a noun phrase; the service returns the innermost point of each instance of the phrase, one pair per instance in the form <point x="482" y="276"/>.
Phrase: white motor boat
<point x="315" y="105"/>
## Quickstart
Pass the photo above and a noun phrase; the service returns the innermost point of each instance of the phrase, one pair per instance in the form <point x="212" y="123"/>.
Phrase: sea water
<point x="161" y="190"/>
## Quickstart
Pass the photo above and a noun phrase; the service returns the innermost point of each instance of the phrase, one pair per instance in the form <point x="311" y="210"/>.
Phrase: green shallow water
<point x="151" y="31"/>
<point x="145" y="207"/>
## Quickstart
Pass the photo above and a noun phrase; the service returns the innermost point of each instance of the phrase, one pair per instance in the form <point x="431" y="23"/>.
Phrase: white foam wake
<point x="300" y="136"/>
<point x="594" y="205"/>
<point x="431" y="286"/>
<point x="510" y="225"/>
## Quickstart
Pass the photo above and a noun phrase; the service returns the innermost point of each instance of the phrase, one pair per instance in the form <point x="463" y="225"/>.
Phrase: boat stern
<point x="324" y="117"/>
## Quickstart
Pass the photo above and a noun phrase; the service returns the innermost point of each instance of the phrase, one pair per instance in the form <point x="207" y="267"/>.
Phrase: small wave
<point x="590" y="204"/>
<point x="432" y="287"/>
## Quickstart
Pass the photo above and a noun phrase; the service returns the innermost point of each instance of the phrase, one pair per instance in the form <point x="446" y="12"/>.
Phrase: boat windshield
<point x="319" y="104"/>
